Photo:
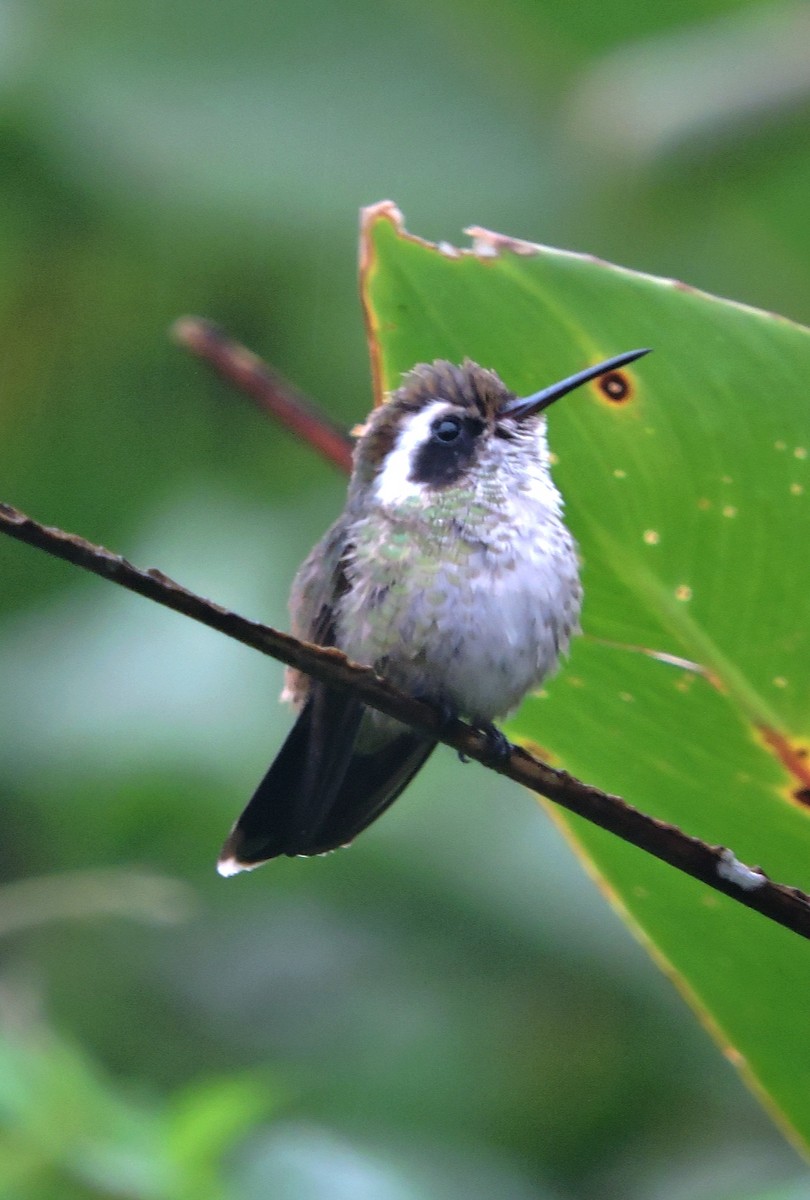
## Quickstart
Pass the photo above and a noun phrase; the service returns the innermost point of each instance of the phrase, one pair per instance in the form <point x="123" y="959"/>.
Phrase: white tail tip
<point x="229" y="866"/>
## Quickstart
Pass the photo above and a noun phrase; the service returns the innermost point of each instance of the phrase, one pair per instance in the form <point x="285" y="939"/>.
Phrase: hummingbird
<point x="450" y="571"/>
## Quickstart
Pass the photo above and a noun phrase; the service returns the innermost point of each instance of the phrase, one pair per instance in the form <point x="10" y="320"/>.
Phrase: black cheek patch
<point x="440" y="464"/>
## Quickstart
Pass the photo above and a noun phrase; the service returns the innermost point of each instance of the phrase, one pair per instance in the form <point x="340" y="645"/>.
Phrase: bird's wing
<point x="339" y="769"/>
<point x="372" y="781"/>
<point x="321" y="791"/>
<point x="317" y="588"/>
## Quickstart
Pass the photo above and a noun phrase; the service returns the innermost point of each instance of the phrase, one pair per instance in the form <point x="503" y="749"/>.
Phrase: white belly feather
<point x="475" y="626"/>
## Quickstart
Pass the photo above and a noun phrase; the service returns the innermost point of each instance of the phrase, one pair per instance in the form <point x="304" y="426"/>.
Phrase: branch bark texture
<point x="714" y="866"/>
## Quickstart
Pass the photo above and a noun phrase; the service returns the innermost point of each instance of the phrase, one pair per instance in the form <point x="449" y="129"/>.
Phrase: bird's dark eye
<point x="448" y="452"/>
<point x="447" y="429"/>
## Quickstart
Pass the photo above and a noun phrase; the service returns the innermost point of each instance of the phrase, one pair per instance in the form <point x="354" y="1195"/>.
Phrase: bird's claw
<point x="499" y="748"/>
<point x="445" y="712"/>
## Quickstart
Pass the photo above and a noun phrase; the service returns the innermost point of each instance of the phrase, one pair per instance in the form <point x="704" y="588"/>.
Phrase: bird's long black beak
<point x="529" y="406"/>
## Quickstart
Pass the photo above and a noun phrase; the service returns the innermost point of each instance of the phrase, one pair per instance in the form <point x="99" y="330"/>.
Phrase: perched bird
<point x="450" y="572"/>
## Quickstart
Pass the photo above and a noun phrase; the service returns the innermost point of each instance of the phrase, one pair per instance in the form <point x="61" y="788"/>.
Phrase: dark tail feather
<point x="321" y="791"/>
<point x="372" y="783"/>
<point x="297" y="793"/>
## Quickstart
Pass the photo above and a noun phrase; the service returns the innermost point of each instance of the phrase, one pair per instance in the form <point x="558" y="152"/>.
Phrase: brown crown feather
<point x="467" y="386"/>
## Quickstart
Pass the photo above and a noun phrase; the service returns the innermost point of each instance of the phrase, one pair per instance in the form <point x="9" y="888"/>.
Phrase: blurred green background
<point x="449" y="1009"/>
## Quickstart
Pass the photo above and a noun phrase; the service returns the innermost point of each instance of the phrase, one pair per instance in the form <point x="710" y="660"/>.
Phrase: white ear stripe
<point x="393" y="485"/>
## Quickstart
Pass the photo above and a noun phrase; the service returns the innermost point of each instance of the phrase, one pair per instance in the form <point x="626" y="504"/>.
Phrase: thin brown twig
<point x="714" y="866"/>
<point x="271" y="392"/>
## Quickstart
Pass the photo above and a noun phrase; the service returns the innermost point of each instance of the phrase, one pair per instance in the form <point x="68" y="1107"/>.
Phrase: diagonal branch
<point x="271" y="392"/>
<point x="712" y="865"/>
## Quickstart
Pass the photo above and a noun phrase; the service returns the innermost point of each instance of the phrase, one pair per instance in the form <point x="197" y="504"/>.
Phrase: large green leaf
<point x="690" y="500"/>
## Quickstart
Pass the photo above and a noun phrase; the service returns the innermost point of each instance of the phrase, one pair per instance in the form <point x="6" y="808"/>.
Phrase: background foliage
<point x="449" y="1009"/>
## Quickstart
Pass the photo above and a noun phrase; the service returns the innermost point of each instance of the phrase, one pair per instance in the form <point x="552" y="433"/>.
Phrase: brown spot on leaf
<point x="615" y="386"/>
<point x="793" y="755"/>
